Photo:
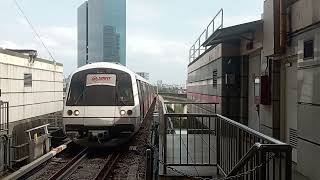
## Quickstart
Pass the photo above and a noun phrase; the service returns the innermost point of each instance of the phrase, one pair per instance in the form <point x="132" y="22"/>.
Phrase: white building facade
<point x="31" y="88"/>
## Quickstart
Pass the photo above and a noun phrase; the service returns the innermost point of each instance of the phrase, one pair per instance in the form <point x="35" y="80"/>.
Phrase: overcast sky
<point x="159" y="32"/>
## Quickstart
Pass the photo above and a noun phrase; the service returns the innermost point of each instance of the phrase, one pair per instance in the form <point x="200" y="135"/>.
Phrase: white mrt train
<point x="105" y="101"/>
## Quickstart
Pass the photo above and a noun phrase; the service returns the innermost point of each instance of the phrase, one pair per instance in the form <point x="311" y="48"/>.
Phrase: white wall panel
<point x="27" y="102"/>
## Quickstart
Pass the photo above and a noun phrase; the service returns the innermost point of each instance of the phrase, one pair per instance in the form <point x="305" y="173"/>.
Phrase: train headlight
<point x="122" y="112"/>
<point x="129" y="112"/>
<point x="76" y="113"/>
<point x="69" y="112"/>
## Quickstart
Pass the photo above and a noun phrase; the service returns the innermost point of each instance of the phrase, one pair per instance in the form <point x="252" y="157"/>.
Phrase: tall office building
<point x="102" y="31"/>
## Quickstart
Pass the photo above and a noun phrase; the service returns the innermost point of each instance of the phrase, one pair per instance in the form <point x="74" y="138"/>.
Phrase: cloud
<point x="234" y="20"/>
<point x="61" y="41"/>
<point x="8" y="44"/>
<point x="142" y="11"/>
<point x="164" y="59"/>
<point x="160" y="49"/>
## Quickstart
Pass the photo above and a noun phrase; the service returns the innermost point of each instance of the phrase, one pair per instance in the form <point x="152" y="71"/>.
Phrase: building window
<point x="308" y="50"/>
<point x="27" y="80"/>
<point x="215" y="77"/>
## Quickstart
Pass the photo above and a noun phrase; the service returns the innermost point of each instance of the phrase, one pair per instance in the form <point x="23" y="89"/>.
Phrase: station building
<point x="265" y="74"/>
<point x="33" y="89"/>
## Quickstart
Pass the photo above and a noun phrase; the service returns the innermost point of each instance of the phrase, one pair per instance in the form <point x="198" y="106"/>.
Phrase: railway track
<point x="82" y="166"/>
<point x="107" y="167"/>
<point x="65" y="170"/>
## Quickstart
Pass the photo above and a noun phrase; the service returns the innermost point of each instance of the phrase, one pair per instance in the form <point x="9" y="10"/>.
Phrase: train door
<point x="148" y="97"/>
<point x="144" y="95"/>
<point x="291" y="103"/>
<point x="140" y="100"/>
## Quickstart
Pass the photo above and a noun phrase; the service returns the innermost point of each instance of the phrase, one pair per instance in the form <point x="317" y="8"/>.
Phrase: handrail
<point x="193" y="50"/>
<point x="249" y="130"/>
<point x="188" y="115"/>
<point x="45" y="126"/>
<point x="164" y="108"/>
<point x="38" y="127"/>
<point x="176" y="102"/>
<point x="239" y="149"/>
<point x="4" y="117"/>
<point x="245" y="159"/>
<point x="257" y="147"/>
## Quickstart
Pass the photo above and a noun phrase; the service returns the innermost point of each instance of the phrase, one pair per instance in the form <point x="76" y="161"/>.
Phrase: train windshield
<point x="100" y="87"/>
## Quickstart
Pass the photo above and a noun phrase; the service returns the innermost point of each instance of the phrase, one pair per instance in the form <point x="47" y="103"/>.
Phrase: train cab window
<point x="124" y="90"/>
<point x="107" y="87"/>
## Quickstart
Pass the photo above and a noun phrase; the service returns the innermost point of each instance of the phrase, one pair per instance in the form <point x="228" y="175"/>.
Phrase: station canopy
<point x="241" y="31"/>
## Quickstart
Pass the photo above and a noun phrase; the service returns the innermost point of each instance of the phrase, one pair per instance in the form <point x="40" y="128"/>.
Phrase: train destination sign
<point x="101" y="80"/>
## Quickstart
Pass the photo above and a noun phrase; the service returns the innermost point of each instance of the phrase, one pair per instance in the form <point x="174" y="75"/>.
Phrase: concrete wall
<point x="268" y="28"/>
<point x="200" y="78"/>
<point x="206" y="58"/>
<point x="250" y="70"/>
<point x="308" y="105"/>
<point x="304" y="13"/>
<point x="225" y="59"/>
<point x="45" y="96"/>
<point x="254" y="71"/>
<point x="257" y="42"/>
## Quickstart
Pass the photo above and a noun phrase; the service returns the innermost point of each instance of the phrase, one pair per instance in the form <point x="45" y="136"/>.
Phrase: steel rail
<point x="70" y="166"/>
<point x="108" y="166"/>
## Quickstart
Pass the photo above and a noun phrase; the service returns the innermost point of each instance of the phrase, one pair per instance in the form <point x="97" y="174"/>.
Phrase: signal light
<point x="129" y="112"/>
<point x="69" y="112"/>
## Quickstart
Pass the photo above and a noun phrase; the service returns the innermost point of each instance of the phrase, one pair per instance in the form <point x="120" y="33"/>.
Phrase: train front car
<point x="102" y="105"/>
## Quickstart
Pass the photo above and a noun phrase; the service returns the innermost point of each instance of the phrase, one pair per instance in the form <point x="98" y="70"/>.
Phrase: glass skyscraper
<point x="102" y="31"/>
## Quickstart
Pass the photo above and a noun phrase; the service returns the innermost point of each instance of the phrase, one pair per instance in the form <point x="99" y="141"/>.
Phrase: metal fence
<point x="4" y="135"/>
<point x="4" y="117"/>
<point x="187" y="139"/>
<point x="237" y="151"/>
<point x="191" y="142"/>
<point x="244" y="152"/>
<point x="197" y="49"/>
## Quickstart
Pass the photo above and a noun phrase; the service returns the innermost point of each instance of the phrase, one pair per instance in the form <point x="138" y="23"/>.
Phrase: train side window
<point x="308" y="50"/>
<point x="141" y="99"/>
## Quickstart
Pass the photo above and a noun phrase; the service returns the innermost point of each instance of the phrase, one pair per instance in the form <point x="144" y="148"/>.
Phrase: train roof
<point x="111" y="66"/>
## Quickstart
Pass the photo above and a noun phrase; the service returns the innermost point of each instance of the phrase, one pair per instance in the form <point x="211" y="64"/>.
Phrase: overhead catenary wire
<point x="33" y="29"/>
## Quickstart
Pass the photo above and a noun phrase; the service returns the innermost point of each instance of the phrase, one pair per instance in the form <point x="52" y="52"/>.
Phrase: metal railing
<point x="179" y="129"/>
<point x="214" y="140"/>
<point x="251" y="154"/>
<point x="192" y="138"/>
<point x="4" y="117"/>
<point x="4" y="135"/>
<point x="197" y="49"/>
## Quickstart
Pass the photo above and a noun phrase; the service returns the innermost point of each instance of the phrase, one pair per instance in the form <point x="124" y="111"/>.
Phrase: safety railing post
<point x="149" y="169"/>
<point x="239" y="140"/>
<point x="218" y="143"/>
<point x="7" y="117"/>
<point x="221" y="18"/>
<point x="199" y="46"/>
<point x="262" y="169"/>
<point x="289" y="163"/>
<point x="165" y="145"/>
<point x="206" y="38"/>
